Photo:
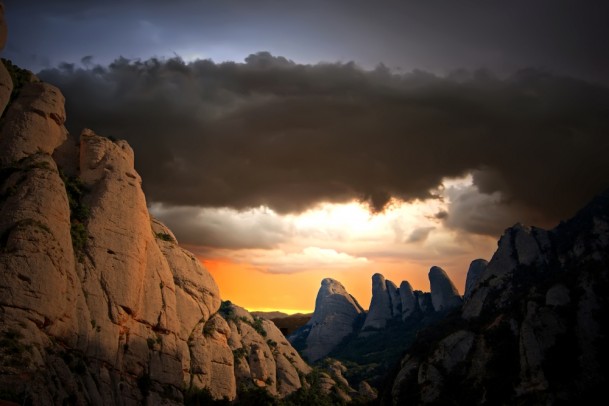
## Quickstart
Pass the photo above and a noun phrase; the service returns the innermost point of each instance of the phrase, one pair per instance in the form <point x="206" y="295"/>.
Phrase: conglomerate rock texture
<point x="98" y="303"/>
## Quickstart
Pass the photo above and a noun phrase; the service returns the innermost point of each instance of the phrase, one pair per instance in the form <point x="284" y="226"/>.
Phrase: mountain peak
<point x="444" y="294"/>
<point x="336" y="312"/>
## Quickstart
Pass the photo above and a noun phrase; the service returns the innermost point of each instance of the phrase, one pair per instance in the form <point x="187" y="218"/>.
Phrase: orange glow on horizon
<point x="292" y="293"/>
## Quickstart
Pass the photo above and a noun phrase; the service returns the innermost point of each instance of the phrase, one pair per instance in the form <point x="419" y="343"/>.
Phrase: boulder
<point x="444" y="294"/>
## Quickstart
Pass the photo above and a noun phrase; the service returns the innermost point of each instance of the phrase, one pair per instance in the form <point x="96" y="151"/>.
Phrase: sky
<point x="288" y="141"/>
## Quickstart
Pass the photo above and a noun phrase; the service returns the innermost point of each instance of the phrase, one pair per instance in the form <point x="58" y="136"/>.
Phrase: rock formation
<point x="334" y="318"/>
<point x="409" y="302"/>
<point x="444" y="295"/>
<point x="533" y="329"/>
<point x="389" y="303"/>
<point x="476" y="268"/>
<point x="381" y="308"/>
<point x="263" y="356"/>
<point x="98" y="302"/>
<point x="333" y="382"/>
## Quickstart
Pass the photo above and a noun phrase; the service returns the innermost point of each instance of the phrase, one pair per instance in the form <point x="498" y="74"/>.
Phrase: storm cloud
<point x="271" y="132"/>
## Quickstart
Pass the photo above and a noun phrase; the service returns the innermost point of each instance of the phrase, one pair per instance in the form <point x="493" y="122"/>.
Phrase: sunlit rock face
<point x="531" y="327"/>
<point x="98" y="302"/>
<point x="334" y="318"/>
<point x="263" y="356"/>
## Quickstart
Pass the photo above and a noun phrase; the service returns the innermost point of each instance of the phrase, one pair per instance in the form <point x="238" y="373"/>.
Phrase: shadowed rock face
<point x="409" y="302"/>
<point x="533" y="327"/>
<point x="336" y="312"/>
<point x="381" y="308"/>
<point x="476" y="268"/>
<point x="444" y="295"/>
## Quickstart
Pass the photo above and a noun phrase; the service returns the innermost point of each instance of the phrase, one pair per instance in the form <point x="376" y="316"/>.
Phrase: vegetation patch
<point x="208" y="329"/>
<point x="164" y="237"/>
<point x="202" y="396"/>
<point x="258" y="326"/>
<point x="79" y="213"/>
<point x="13" y="353"/>
<point x="144" y="383"/>
<point x="19" y="76"/>
<point x="239" y="353"/>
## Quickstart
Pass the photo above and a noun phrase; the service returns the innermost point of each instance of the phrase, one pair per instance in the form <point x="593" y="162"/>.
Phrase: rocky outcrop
<point x="476" y="268"/>
<point x="381" y="308"/>
<point x="98" y="302"/>
<point x="333" y="382"/>
<point x="424" y="301"/>
<point x="518" y="247"/>
<point x="444" y="295"/>
<point x="335" y="316"/>
<point x="263" y="356"/>
<point x="532" y="329"/>
<point x="33" y="123"/>
<point x="389" y="303"/>
<point x="394" y="298"/>
<point x="408" y="300"/>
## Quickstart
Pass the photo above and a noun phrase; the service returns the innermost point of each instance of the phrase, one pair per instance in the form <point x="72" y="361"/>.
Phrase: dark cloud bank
<point x="272" y="132"/>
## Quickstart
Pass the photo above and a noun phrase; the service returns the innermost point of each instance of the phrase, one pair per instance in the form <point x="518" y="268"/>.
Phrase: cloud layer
<point x="288" y="136"/>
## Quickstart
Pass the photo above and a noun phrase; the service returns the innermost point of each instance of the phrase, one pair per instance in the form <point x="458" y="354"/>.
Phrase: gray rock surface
<point x="333" y="319"/>
<point x="424" y="301"/>
<point x="409" y="302"/>
<point x="476" y="268"/>
<point x="518" y="246"/>
<point x="394" y="297"/>
<point x="380" y="309"/>
<point x="444" y="294"/>
<point x="534" y="321"/>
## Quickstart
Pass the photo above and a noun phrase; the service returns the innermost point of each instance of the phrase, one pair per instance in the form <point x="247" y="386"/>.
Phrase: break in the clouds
<point x="275" y="133"/>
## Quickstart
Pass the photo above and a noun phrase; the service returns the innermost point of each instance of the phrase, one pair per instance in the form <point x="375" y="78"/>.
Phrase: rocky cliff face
<point x="263" y="356"/>
<point x="381" y="305"/>
<point x="444" y="294"/>
<point x="98" y="303"/>
<point x="390" y="303"/>
<point x="370" y="343"/>
<point x="335" y="317"/>
<point x="476" y="269"/>
<point x="533" y="328"/>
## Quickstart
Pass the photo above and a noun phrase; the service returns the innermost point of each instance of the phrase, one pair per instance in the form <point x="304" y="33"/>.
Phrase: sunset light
<point x="343" y="241"/>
